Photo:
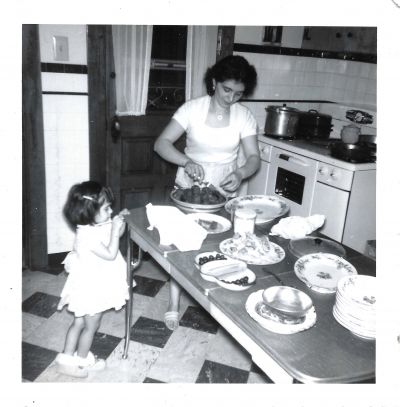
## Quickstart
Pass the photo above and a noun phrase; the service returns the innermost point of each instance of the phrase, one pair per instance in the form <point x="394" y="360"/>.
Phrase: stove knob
<point x="335" y="174"/>
<point x="323" y="170"/>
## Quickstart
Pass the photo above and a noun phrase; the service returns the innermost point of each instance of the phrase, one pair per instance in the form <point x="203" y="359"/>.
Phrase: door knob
<point x="115" y="129"/>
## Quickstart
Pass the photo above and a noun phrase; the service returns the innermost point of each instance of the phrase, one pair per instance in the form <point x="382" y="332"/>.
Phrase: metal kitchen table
<point x="325" y="353"/>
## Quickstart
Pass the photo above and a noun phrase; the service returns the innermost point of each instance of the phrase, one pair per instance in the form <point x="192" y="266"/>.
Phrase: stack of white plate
<point x="355" y="305"/>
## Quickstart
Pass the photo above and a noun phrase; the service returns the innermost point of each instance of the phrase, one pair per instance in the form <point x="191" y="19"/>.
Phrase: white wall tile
<point x="64" y="82"/>
<point x="67" y="160"/>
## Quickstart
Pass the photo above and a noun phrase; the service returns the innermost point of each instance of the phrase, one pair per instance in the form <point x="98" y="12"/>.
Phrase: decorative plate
<point x="274" y="324"/>
<point x="252" y="249"/>
<point x="266" y="207"/>
<point x="322" y="271"/>
<point x="359" y="289"/>
<point x="210" y="222"/>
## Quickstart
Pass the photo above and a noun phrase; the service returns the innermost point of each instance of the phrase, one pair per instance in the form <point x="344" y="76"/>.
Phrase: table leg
<point x="131" y="267"/>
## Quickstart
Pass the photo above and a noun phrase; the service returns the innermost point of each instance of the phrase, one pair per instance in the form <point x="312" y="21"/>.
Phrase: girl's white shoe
<point x="91" y="362"/>
<point x="68" y="365"/>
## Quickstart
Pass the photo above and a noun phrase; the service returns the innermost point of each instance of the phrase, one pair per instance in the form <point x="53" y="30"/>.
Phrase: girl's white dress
<point x="94" y="284"/>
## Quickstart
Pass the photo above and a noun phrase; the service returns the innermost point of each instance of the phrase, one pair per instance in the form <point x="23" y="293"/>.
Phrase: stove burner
<point x="354" y="153"/>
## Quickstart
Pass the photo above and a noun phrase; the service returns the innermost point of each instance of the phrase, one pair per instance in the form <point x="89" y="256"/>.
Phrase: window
<point x="168" y="68"/>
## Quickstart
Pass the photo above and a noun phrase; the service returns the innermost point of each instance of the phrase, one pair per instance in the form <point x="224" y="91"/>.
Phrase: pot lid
<point x="282" y="109"/>
<point x="310" y="244"/>
<point x="315" y="113"/>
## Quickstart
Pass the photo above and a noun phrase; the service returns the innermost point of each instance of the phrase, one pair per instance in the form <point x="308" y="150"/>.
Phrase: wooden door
<point x="122" y="148"/>
<point x="34" y="223"/>
<point x="225" y="41"/>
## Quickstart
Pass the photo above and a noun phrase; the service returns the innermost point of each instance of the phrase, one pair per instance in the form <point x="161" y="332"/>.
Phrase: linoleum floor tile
<point x="134" y="369"/>
<point x="150" y="269"/>
<point x="30" y="323"/>
<point x="52" y="332"/>
<point x="35" y="360"/>
<point x="41" y="304"/>
<point x="184" y="351"/>
<point x="33" y="281"/>
<point x="113" y="323"/>
<point x="225" y="350"/>
<point x="213" y="372"/>
<point x="155" y="309"/>
<point x="255" y="378"/>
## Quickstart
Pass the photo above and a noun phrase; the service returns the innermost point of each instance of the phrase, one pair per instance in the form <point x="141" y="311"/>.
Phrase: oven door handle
<point x="294" y="160"/>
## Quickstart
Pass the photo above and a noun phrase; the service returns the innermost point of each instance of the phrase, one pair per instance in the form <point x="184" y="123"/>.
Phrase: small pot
<point x="281" y="121"/>
<point x="313" y="124"/>
<point x="350" y="134"/>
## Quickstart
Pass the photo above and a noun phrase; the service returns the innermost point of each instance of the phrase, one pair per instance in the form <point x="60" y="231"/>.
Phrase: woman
<point x="216" y="128"/>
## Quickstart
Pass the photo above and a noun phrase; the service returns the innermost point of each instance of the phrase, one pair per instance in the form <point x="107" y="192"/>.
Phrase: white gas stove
<point x="311" y="181"/>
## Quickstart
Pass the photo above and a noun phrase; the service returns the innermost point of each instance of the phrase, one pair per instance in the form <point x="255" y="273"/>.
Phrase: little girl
<point x="97" y="273"/>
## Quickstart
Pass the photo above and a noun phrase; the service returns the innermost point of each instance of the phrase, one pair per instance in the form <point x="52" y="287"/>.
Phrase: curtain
<point x="132" y="54"/>
<point x="200" y="54"/>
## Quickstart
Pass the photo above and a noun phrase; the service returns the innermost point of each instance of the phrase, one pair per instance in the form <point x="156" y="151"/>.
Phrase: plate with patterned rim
<point x="266" y="207"/>
<point x="321" y="272"/>
<point x="252" y="249"/>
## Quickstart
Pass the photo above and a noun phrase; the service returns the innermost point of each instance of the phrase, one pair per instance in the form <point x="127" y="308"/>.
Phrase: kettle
<point x="350" y="134"/>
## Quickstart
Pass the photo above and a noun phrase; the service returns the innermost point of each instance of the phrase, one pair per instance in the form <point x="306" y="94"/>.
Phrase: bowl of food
<point x="287" y="301"/>
<point x="269" y="209"/>
<point x="197" y="199"/>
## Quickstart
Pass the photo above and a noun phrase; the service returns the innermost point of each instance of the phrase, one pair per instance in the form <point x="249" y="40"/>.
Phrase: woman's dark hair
<point x="84" y="201"/>
<point x="232" y="67"/>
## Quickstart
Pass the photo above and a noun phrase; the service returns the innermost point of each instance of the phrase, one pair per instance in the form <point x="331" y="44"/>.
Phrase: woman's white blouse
<point x="208" y="144"/>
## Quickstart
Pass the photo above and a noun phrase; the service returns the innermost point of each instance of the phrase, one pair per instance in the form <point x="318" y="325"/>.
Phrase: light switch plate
<point x="60" y="48"/>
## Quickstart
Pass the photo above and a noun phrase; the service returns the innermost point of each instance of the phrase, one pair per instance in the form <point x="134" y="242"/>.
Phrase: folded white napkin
<point x="174" y="227"/>
<point x="295" y="227"/>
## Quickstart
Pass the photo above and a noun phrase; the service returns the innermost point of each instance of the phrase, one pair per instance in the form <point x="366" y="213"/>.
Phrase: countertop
<point x="315" y="151"/>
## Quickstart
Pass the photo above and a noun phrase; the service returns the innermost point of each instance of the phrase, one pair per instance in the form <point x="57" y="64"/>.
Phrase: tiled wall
<point x="280" y="77"/>
<point x="350" y="84"/>
<point x="66" y="134"/>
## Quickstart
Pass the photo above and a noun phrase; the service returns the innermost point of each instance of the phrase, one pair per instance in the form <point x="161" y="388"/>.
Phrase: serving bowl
<point x="269" y="209"/>
<point x="287" y="301"/>
<point x="196" y="208"/>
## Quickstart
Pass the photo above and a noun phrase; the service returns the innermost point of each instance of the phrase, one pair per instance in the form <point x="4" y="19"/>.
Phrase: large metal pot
<point x="313" y="124"/>
<point x="281" y="121"/>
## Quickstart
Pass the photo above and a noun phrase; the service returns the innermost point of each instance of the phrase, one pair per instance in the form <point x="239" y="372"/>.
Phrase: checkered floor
<point x="199" y="351"/>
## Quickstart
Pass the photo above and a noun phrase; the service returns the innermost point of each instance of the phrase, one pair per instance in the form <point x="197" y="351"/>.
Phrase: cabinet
<point x="341" y="39"/>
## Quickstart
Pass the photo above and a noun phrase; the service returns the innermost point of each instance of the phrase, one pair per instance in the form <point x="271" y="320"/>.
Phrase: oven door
<point x="292" y="177"/>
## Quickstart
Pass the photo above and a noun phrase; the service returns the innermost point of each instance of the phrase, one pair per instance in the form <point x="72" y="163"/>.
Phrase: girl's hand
<point x="118" y="225"/>
<point x="232" y="181"/>
<point x="124" y="212"/>
<point x="195" y="171"/>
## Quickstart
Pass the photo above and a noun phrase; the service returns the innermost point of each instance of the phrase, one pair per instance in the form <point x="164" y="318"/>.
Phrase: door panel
<point x="145" y="177"/>
<point x="122" y="148"/>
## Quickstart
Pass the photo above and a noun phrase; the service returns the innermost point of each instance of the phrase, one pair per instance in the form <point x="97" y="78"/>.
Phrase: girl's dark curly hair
<point x="232" y="67"/>
<point x="84" y="201"/>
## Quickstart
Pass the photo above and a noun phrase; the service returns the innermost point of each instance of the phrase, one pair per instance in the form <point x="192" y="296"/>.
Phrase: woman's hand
<point x="232" y="181"/>
<point x="195" y="171"/>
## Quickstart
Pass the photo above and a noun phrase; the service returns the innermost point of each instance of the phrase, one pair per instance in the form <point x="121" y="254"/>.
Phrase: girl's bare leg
<point x="92" y="323"/>
<point x="73" y="334"/>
